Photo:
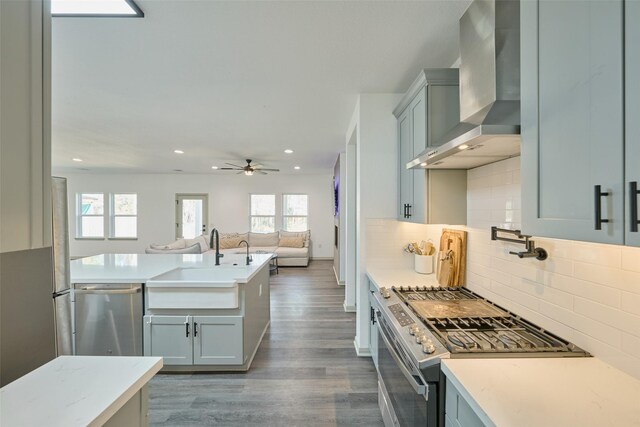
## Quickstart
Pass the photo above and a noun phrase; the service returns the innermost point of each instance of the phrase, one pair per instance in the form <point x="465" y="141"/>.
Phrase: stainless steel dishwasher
<point x="108" y="319"/>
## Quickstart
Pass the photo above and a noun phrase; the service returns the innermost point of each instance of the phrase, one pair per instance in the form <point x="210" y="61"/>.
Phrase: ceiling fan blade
<point x="230" y="169"/>
<point x="231" y="164"/>
<point x="260" y="172"/>
<point x="238" y="173"/>
<point x="269" y="170"/>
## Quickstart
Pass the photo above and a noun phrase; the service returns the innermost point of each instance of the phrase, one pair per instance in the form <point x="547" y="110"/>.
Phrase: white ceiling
<point x="229" y="80"/>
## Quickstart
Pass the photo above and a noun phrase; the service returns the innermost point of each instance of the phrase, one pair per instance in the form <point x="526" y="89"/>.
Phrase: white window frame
<point x="80" y="215"/>
<point x="113" y="215"/>
<point x="284" y="216"/>
<point x="275" y="211"/>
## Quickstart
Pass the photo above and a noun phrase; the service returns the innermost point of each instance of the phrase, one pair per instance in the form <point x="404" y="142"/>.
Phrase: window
<point x="295" y="211"/>
<point x="263" y="213"/>
<point x="90" y="215"/>
<point x="122" y="211"/>
<point x="124" y="216"/>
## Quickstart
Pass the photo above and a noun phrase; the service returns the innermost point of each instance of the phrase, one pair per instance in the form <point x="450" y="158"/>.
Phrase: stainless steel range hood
<point x="489" y="128"/>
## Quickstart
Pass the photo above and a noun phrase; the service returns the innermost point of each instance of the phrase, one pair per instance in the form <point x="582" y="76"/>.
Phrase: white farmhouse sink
<point x="207" y="288"/>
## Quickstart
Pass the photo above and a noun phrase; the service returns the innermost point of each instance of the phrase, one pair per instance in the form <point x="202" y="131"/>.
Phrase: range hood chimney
<point x="489" y="128"/>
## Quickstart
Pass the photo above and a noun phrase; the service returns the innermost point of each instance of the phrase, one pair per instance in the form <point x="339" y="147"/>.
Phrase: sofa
<point x="293" y="248"/>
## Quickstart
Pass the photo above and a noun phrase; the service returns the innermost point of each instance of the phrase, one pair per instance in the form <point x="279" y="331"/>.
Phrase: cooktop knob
<point x="421" y="338"/>
<point x="413" y="329"/>
<point x="383" y="289"/>
<point x="428" y="347"/>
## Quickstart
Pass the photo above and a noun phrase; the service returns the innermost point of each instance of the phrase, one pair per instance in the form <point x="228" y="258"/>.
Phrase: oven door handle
<point x="419" y="388"/>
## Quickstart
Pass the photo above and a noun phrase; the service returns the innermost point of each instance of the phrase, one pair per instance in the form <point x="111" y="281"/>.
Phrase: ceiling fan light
<point x="248" y="173"/>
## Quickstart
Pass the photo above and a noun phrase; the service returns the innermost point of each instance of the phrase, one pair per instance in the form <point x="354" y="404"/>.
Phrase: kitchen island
<point x="197" y="316"/>
<point x="81" y="391"/>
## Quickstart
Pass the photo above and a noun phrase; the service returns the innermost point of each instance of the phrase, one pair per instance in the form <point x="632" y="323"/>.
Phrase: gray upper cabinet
<point x="572" y="119"/>
<point x="426" y="112"/>
<point x="632" y="112"/>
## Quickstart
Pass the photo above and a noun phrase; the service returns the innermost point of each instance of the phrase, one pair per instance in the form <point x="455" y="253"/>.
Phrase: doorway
<point x="191" y="215"/>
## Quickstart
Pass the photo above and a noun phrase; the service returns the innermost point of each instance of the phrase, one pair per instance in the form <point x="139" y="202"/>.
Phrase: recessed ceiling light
<point x="423" y="164"/>
<point x="76" y="159"/>
<point x="178" y="151"/>
<point x="463" y="147"/>
<point x="95" y="8"/>
<point x="288" y="151"/>
<point x="297" y="168"/>
<point x="214" y="167"/>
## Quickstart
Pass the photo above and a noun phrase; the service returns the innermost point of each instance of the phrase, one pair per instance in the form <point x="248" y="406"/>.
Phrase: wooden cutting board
<point x="452" y="258"/>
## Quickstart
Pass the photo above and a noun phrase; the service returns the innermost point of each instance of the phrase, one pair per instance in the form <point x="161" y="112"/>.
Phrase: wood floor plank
<point x="305" y="373"/>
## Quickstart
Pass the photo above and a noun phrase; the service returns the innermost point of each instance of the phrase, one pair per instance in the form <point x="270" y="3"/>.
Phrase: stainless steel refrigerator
<point x="35" y="304"/>
<point x="61" y="280"/>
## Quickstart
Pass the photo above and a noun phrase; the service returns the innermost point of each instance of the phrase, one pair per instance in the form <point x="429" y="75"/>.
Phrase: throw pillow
<point x="291" y="242"/>
<point x="230" y="242"/>
<point x="304" y="234"/>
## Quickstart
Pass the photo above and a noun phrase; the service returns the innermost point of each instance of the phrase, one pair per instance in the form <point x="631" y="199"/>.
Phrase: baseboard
<point x="349" y="308"/>
<point x="323" y="258"/>
<point x="361" y="352"/>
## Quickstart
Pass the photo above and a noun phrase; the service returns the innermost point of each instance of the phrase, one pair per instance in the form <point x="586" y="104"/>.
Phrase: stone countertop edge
<point x="399" y="276"/>
<point x="580" y="391"/>
<point x="75" y="390"/>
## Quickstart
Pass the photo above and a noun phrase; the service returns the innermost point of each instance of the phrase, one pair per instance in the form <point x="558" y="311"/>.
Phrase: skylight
<point x="96" y="8"/>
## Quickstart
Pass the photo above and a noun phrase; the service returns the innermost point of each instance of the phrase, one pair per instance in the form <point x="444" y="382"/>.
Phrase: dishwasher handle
<point x="96" y="290"/>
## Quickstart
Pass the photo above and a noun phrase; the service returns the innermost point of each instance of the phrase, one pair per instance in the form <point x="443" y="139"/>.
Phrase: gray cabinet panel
<point x="405" y="177"/>
<point x="170" y="337"/>
<point x="572" y="127"/>
<point x="458" y="412"/>
<point x="632" y="112"/>
<point x="217" y="340"/>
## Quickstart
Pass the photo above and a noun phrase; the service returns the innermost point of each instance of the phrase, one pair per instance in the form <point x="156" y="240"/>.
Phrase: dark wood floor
<point x="305" y="373"/>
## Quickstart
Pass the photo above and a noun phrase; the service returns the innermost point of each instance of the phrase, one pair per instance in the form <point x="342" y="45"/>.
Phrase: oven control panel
<point x="401" y="316"/>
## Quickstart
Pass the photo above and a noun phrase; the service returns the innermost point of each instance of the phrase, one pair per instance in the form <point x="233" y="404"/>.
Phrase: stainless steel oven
<point x="405" y="390"/>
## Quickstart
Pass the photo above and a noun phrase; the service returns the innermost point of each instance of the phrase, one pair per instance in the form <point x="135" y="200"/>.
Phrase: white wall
<point x="587" y="293"/>
<point x="376" y="187"/>
<point x="228" y="205"/>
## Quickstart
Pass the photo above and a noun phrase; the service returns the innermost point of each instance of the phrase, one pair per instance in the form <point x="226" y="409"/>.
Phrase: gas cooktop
<point x="468" y="325"/>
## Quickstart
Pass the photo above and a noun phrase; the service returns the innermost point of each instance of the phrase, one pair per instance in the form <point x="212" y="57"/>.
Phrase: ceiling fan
<point x="249" y="169"/>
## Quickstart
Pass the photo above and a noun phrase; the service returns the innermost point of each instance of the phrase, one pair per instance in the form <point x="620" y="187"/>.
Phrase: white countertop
<point x="75" y="390"/>
<point x="138" y="268"/>
<point x="387" y="277"/>
<point x="547" y="392"/>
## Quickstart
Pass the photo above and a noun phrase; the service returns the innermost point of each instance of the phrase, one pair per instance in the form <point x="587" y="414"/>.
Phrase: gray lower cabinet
<point x="632" y="122"/>
<point x="458" y="412"/>
<point x="169" y="337"/>
<point x="194" y="340"/>
<point x="573" y="136"/>
<point x="427" y="111"/>
<point x="217" y="340"/>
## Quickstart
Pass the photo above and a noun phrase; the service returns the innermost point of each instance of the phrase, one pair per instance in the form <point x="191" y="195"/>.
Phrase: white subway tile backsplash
<point x="607" y="255"/>
<point x="620" y="279"/>
<point x="586" y="293"/>
<point x="630" y="302"/>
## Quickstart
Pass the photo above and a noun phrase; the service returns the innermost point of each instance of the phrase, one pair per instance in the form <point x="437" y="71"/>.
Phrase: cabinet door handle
<point x="186" y="329"/>
<point x="195" y="329"/>
<point x="633" y="205"/>
<point x="404" y="212"/>
<point x="598" y="194"/>
<point x="408" y="211"/>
